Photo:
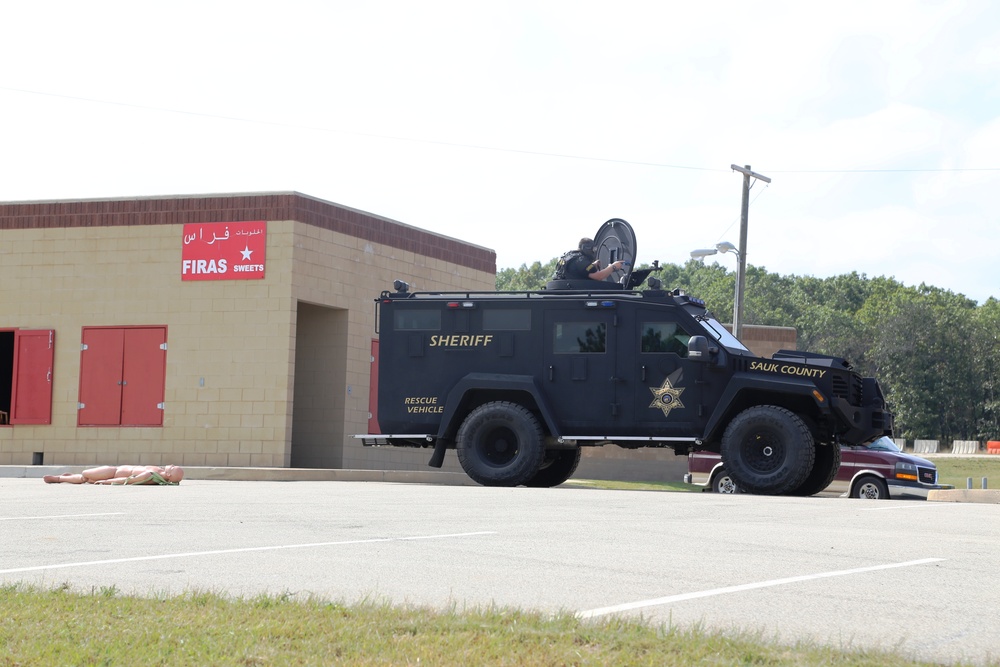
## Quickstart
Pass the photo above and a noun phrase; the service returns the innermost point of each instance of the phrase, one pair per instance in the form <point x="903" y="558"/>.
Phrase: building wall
<point x="231" y="379"/>
<point x="765" y="341"/>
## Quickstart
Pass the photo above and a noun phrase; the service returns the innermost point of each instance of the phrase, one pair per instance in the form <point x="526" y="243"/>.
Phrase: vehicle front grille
<point x="927" y="475"/>
<point x="840" y="386"/>
<point x="848" y="386"/>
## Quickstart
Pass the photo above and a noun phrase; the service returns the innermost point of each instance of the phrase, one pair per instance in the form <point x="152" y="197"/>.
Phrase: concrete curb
<point x="991" y="496"/>
<point x="275" y="474"/>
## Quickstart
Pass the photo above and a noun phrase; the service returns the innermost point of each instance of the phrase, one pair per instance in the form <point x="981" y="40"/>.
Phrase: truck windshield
<point x="721" y="334"/>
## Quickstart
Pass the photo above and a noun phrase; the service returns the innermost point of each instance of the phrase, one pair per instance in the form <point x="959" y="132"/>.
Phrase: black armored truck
<point x="518" y="382"/>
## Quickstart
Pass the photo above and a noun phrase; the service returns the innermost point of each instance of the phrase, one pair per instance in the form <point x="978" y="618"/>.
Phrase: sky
<point x="521" y="126"/>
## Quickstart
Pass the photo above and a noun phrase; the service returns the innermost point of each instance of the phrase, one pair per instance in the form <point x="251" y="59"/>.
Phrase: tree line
<point x="936" y="353"/>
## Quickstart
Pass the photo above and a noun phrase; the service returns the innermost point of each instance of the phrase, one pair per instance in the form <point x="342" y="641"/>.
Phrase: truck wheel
<point x="723" y="483"/>
<point x="500" y="444"/>
<point x="870" y="488"/>
<point x="824" y="470"/>
<point x="558" y="466"/>
<point x="768" y="449"/>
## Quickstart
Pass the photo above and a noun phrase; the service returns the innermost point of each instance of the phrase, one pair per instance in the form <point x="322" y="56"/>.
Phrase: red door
<point x="122" y="375"/>
<point x="101" y="377"/>
<point x="31" y="393"/>
<point x="144" y="365"/>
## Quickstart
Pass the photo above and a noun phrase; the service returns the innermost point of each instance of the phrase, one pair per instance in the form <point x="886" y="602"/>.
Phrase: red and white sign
<point x="223" y="250"/>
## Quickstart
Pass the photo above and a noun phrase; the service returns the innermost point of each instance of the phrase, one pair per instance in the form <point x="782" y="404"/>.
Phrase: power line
<point x="878" y="171"/>
<point x="569" y="156"/>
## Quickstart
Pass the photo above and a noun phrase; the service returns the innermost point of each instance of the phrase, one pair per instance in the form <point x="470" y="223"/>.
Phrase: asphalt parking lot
<point x="916" y="576"/>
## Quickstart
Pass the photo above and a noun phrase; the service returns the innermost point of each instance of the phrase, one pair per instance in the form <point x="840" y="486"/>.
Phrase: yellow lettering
<point x="801" y="371"/>
<point x="460" y="340"/>
<point x="420" y="400"/>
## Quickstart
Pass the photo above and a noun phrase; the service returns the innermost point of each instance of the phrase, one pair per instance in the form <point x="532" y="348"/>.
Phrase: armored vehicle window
<point x="507" y="320"/>
<point x="664" y="337"/>
<point x="580" y="338"/>
<point x="417" y="320"/>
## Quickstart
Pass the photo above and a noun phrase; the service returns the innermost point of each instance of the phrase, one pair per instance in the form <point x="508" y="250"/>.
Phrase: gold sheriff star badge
<point x="667" y="397"/>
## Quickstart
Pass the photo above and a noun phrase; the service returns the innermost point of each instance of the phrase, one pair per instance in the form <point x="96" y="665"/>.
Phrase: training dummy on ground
<point x="127" y="474"/>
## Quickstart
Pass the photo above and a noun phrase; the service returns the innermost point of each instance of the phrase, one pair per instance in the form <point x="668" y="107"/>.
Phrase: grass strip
<point x="63" y="627"/>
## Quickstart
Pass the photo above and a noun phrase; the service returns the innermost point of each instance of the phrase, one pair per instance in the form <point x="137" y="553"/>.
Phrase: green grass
<point x="632" y="486"/>
<point x="957" y="470"/>
<point x="62" y="627"/>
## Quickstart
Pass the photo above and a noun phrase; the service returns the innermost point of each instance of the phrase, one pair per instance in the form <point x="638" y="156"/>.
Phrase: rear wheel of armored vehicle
<point x="824" y="470"/>
<point x="500" y="444"/>
<point x="768" y="449"/>
<point x="558" y="466"/>
<point x="870" y="488"/>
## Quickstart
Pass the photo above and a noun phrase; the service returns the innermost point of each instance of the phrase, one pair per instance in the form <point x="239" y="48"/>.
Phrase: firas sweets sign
<point x="223" y="250"/>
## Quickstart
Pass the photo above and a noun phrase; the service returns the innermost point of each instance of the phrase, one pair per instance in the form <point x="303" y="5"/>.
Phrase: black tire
<point x="824" y="469"/>
<point x="768" y="449"/>
<point x="500" y="444"/>
<point x="870" y="487"/>
<point x="722" y="482"/>
<point x="558" y="466"/>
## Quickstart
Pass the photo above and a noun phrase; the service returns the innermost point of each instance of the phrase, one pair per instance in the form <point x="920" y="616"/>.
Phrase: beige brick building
<point x="115" y="349"/>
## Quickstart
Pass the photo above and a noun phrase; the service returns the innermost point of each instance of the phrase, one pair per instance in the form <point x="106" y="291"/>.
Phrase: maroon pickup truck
<point x="876" y="471"/>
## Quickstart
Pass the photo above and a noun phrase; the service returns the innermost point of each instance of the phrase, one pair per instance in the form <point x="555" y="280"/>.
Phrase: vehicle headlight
<point x="907" y="471"/>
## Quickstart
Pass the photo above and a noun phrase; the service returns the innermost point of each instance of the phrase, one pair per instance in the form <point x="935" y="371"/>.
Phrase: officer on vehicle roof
<point x="582" y="263"/>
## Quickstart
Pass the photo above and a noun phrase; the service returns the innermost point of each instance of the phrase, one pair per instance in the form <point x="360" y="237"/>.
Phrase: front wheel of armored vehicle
<point x="500" y="444"/>
<point x="824" y="470"/>
<point x="768" y="449"/>
<point x="558" y="466"/>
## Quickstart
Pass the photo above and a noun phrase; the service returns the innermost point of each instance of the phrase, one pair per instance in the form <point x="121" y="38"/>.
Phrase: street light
<point x="725" y="247"/>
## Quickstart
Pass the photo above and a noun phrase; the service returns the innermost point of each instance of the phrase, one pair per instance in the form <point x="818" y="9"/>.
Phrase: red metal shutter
<point x="31" y="393"/>
<point x="101" y="377"/>
<point x="143" y="376"/>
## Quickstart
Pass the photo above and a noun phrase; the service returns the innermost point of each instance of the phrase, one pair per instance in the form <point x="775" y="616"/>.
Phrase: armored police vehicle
<point x="518" y="382"/>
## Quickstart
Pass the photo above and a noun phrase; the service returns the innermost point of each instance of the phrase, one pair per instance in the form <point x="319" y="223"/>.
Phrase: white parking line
<point x="921" y="504"/>
<point x="602" y="611"/>
<point x="57" y="516"/>
<point x="216" y="552"/>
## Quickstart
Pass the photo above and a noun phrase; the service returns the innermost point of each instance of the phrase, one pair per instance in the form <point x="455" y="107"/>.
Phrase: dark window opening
<point x="664" y="337"/>
<point x="417" y="320"/>
<point x="580" y="338"/>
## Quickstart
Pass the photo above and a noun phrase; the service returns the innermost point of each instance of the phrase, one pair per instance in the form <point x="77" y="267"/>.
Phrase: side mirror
<point x="698" y="349"/>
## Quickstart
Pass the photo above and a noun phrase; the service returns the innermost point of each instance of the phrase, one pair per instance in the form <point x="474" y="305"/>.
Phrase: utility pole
<point x="742" y="266"/>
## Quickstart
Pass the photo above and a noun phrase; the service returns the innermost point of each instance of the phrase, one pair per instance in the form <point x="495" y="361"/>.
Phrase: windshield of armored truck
<point x="721" y="334"/>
